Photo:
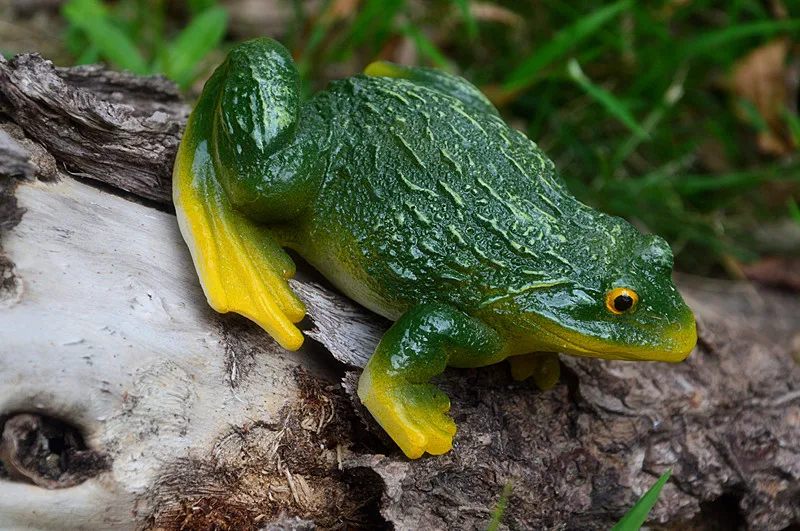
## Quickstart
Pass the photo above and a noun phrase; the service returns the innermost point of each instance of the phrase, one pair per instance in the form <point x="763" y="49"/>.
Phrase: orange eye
<point x="621" y="300"/>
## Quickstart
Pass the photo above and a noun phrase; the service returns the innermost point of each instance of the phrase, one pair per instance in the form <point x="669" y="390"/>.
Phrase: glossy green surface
<point x="427" y="198"/>
<point x="407" y="190"/>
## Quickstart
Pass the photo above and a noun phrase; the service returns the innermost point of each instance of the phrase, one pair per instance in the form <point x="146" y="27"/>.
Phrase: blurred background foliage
<point x="679" y="115"/>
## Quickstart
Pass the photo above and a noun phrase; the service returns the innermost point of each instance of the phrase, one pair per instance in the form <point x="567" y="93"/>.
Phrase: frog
<point x="405" y="189"/>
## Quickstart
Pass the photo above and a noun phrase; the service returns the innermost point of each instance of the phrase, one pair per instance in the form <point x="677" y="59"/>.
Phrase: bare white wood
<point x="112" y="318"/>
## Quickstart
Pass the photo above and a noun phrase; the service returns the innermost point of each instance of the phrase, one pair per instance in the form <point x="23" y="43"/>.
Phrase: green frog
<point x="405" y="188"/>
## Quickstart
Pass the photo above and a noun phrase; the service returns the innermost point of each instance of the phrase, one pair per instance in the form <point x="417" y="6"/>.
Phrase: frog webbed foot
<point x="412" y="414"/>
<point x="543" y="367"/>
<point x="394" y="385"/>
<point x="241" y="268"/>
<point x="237" y="169"/>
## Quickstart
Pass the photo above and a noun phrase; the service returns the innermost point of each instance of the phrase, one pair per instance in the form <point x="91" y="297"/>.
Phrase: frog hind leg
<point x="230" y="179"/>
<point x="394" y="385"/>
<point x="543" y="367"/>
<point x="437" y="79"/>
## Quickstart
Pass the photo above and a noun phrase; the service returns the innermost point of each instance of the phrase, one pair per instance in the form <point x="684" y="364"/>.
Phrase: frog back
<point x="426" y="199"/>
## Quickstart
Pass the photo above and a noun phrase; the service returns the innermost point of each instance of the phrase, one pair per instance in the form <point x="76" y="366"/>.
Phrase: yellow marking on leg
<point x="240" y="266"/>
<point x="542" y="366"/>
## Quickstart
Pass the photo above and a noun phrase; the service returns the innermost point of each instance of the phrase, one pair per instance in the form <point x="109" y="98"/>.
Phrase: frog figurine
<point x="405" y="188"/>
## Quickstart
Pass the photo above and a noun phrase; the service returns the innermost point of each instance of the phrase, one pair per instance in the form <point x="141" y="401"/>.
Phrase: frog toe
<point x="413" y="415"/>
<point x="543" y="367"/>
<point x="425" y="407"/>
<point x="422" y="422"/>
<point x="394" y="387"/>
<point x="241" y="268"/>
<point x="440" y="435"/>
<point x="237" y="173"/>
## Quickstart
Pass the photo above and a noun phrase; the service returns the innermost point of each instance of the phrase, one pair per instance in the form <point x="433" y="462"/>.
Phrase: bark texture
<point x="727" y="420"/>
<point x="114" y="127"/>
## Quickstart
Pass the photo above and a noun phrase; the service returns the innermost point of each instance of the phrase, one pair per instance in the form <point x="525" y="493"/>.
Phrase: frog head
<point x="621" y="304"/>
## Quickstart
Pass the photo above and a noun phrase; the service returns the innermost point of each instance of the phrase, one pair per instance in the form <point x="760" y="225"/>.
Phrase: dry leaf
<point x="489" y="12"/>
<point x="482" y="12"/>
<point x="341" y="9"/>
<point x="762" y="77"/>
<point x="778" y="9"/>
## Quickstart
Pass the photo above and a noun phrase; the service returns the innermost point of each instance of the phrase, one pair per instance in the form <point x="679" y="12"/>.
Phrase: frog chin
<point x="674" y="345"/>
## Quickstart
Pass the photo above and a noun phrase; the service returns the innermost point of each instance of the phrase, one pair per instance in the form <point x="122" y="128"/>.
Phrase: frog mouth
<point x="678" y="342"/>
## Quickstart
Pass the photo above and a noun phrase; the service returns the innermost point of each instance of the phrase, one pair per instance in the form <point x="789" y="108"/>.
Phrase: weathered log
<point x="192" y="417"/>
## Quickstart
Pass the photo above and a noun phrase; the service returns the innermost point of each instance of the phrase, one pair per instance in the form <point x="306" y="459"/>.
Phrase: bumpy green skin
<point x="413" y="197"/>
<point x="426" y="199"/>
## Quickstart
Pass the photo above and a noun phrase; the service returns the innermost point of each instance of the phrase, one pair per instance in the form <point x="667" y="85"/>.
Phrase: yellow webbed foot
<point x="542" y="366"/>
<point x="412" y="414"/>
<point x="241" y="268"/>
<point x="394" y="385"/>
<point x="239" y="173"/>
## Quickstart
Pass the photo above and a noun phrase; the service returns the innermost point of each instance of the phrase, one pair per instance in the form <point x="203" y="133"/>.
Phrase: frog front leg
<point x="543" y="367"/>
<point x="240" y="168"/>
<point x="394" y="385"/>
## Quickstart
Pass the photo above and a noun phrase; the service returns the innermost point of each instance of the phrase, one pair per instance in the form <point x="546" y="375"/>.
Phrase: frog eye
<point x="621" y="300"/>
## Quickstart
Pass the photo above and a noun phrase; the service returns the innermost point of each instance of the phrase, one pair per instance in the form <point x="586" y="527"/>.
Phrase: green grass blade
<point x="114" y="45"/>
<point x="372" y="26"/>
<point x="526" y="73"/>
<point x="202" y="35"/>
<point x="198" y="6"/>
<point x="753" y="114"/>
<point x="472" y="25"/>
<point x="605" y="98"/>
<point x="497" y="514"/>
<point x="714" y="39"/>
<point x="794" y="210"/>
<point x="688" y="185"/>
<point x="638" y="513"/>
<point x="80" y="12"/>
<point x="426" y="48"/>
<point x="793" y="121"/>
<point x="673" y="94"/>
<point x="319" y="30"/>
<point x="89" y="55"/>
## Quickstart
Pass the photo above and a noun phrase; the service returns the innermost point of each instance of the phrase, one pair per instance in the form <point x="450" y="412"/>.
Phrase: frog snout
<point x="682" y="340"/>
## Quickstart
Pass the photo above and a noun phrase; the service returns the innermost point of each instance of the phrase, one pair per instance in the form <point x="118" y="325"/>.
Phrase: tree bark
<point x="126" y="402"/>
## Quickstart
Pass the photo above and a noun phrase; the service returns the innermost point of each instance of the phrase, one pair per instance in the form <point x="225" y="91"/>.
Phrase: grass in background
<point x="632" y="521"/>
<point x="131" y="35"/>
<point x="631" y="99"/>
<point x="497" y="514"/>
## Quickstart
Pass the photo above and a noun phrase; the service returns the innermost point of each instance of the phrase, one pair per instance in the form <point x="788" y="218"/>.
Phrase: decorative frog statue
<point x="405" y="188"/>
